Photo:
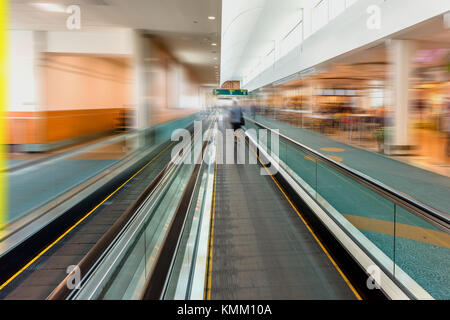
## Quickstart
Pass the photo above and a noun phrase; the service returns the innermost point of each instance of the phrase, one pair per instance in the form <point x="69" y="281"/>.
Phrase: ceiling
<point x="249" y="29"/>
<point x="183" y="25"/>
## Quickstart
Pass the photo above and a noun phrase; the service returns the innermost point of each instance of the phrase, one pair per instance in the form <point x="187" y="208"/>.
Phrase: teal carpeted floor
<point x="31" y="188"/>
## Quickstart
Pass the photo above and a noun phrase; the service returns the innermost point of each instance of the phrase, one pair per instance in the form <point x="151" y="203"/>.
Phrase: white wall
<point x="26" y="45"/>
<point x="349" y="31"/>
<point x="22" y="83"/>
<point x="173" y="96"/>
<point x="116" y="42"/>
<point x="189" y="91"/>
<point x="182" y="91"/>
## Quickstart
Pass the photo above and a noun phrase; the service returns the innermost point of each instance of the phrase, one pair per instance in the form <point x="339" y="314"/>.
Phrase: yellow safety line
<point x="211" y="239"/>
<point x="309" y="229"/>
<point x="4" y="80"/>
<point x="79" y="221"/>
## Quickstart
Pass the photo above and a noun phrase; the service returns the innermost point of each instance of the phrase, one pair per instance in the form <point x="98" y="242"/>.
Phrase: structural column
<point x="140" y="94"/>
<point x="401" y="56"/>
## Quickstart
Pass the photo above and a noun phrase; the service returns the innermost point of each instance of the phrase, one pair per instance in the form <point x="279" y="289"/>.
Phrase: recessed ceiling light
<point x="215" y="58"/>
<point x="212" y="18"/>
<point x="214" y="44"/>
<point x="51" y="7"/>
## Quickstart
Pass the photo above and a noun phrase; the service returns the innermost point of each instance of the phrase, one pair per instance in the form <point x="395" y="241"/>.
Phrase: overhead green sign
<point x="230" y="92"/>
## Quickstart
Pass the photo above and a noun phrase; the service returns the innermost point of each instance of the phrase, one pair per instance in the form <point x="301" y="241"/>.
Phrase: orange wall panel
<point x="85" y="82"/>
<point x="50" y="126"/>
<point x="25" y="127"/>
<point x="62" y="125"/>
<point x="81" y="95"/>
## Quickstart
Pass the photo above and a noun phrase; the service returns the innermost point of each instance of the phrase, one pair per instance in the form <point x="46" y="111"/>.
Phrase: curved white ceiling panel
<point x="238" y="20"/>
<point x="250" y="29"/>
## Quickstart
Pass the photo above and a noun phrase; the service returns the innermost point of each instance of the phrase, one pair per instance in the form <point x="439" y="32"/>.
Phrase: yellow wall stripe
<point x="4" y="79"/>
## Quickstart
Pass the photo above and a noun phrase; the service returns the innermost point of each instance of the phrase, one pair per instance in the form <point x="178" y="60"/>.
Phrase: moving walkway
<point x="40" y="246"/>
<point x="261" y="247"/>
<point x="196" y="226"/>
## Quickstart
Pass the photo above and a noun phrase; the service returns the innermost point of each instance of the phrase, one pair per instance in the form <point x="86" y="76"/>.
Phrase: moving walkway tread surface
<point x="44" y="274"/>
<point x="261" y="248"/>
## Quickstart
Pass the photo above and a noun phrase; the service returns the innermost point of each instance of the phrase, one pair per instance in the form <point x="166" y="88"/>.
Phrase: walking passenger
<point x="236" y="118"/>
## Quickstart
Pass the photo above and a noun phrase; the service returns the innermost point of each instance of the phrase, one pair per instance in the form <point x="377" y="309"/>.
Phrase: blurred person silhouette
<point x="446" y="125"/>
<point x="236" y="118"/>
<point x="253" y="108"/>
<point x="420" y="106"/>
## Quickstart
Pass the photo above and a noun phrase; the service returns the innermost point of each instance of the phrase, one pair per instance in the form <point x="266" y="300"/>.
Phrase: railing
<point x="311" y="21"/>
<point x="44" y="193"/>
<point x="37" y="186"/>
<point x="409" y="239"/>
<point x="187" y="278"/>
<point x="139" y="263"/>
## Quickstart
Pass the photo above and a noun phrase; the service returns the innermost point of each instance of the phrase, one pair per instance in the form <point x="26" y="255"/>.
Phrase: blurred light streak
<point x="4" y="70"/>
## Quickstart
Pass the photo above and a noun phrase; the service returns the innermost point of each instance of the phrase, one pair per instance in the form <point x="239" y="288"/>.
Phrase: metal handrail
<point x="420" y="209"/>
<point x="85" y="266"/>
<point x="154" y="191"/>
<point x="157" y="281"/>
